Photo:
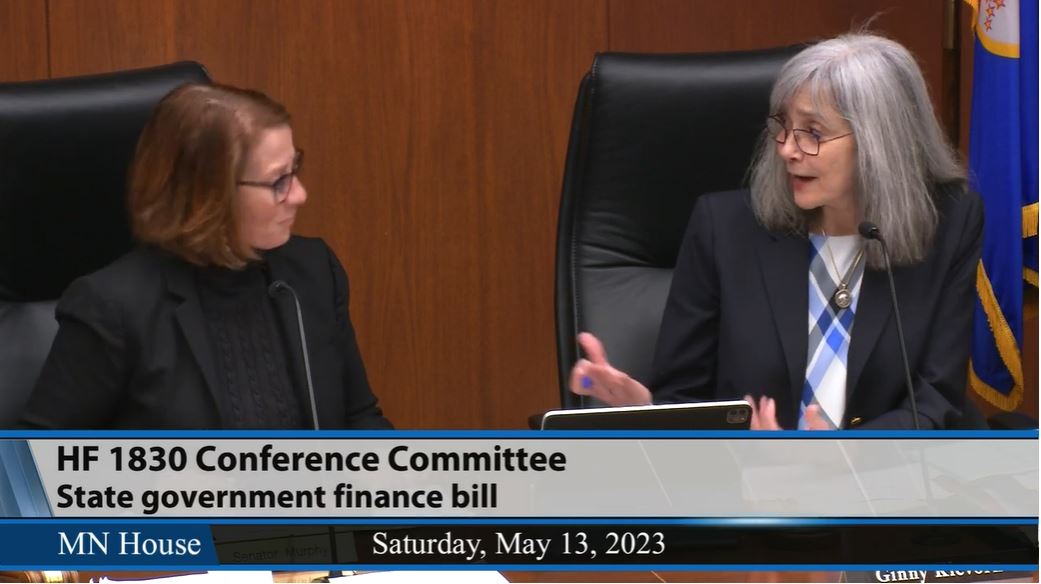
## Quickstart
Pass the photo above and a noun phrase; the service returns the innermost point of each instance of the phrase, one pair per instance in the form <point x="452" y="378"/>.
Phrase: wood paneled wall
<point x="23" y="40"/>
<point x="436" y="132"/>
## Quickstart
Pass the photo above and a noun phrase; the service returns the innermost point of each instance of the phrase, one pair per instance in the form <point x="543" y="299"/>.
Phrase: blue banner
<point x="645" y="544"/>
<point x="53" y="544"/>
<point x="1003" y="168"/>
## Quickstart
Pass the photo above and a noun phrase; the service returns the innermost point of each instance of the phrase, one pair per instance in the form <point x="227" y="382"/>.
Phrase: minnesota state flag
<point x="1003" y="165"/>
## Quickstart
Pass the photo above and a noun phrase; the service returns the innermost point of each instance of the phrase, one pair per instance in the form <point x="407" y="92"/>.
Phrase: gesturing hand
<point x="595" y="377"/>
<point x="764" y="413"/>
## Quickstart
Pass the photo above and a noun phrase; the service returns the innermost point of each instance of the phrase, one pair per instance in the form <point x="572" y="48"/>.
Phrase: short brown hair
<point x="189" y="158"/>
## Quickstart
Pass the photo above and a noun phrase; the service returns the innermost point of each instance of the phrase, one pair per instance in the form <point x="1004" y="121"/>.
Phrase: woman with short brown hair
<point x="221" y="318"/>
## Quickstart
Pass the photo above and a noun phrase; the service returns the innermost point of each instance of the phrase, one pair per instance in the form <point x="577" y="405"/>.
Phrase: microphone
<point x="869" y="230"/>
<point x="273" y="290"/>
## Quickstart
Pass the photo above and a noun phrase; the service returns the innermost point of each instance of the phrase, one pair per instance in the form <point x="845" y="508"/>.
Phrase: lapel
<point x="785" y="263"/>
<point x="873" y="310"/>
<point x="181" y="284"/>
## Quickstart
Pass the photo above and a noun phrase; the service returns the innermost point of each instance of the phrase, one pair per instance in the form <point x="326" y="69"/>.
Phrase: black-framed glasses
<point x="808" y="141"/>
<point x="281" y="186"/>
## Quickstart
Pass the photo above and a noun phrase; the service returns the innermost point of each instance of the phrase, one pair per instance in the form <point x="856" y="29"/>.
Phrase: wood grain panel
<point x="447" y="130"/>
<point x="703" y="25"/>
<point x="1029" y="405"/>
<point x="239" y="41"/>
<point x="965" y="61"/>
<point x="97" y="37"/>
<point x="23" y="40"/>
<point x="436" y="134"/>
<point x="523" y="120"/>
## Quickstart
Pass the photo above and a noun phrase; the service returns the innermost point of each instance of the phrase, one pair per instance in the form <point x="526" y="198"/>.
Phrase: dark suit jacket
<point x="735" y="322"/>
<point x="132" y="350"/>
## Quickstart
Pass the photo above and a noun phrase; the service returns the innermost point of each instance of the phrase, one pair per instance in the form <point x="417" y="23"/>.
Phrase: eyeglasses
<point x="281" y="186"/>
<point x="808" y="141"/>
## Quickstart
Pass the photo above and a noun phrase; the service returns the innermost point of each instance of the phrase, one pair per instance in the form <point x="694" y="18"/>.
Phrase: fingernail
<point x="586" y="382"/>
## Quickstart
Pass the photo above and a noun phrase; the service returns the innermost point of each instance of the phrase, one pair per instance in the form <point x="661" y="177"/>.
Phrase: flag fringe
<point x="1030" y="220"/>
<point x="1005" y="341"/>
<point x="994" y="397"/>
<point x="1030" y="276"/>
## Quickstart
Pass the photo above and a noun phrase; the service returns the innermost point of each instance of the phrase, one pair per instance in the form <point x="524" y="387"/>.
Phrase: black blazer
<point x="735" y="322"/>
<point x="132" y="350"/>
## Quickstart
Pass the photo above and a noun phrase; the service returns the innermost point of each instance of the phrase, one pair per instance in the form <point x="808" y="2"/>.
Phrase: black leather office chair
<point x="65" y="146"/>
<point x="650" y="133"/>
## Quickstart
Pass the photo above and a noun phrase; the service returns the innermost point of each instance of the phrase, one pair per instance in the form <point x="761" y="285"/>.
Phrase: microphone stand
<point x="869" y="230"/>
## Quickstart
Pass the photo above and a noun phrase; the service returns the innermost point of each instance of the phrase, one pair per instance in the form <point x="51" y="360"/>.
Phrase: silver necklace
<point x="843" y="296"/>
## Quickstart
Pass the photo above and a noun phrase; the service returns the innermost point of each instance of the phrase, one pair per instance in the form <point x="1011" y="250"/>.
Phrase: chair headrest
<point x="663" y="129"/>
<point x="65" y="146"/>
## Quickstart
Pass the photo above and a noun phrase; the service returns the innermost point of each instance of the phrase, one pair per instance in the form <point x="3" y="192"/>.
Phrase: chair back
<point x="650" y="133"/>
<point x="65" y="148"/>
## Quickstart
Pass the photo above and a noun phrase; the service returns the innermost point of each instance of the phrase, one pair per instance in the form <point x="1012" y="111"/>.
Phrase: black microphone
<point x="869" y="230"/>
<point x="273" y="290"/>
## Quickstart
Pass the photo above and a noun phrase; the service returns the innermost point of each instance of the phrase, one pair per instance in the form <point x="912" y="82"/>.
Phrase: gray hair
<point x="902" y="154"/>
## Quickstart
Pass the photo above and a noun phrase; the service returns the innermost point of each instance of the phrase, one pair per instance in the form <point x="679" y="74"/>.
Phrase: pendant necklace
<point x="843" y="296"/>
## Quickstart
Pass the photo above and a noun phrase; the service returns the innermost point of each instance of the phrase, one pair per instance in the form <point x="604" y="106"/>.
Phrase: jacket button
<point x="855" y="421"/>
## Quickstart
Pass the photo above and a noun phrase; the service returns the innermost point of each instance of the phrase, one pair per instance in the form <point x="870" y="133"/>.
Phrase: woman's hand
<point x="764" y="415"/>
<point x="595" y="377"/>
<point x="814" y="419"/>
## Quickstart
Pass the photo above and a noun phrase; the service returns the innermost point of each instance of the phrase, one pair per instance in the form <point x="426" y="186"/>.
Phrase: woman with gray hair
<point x="778" y="299"/>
